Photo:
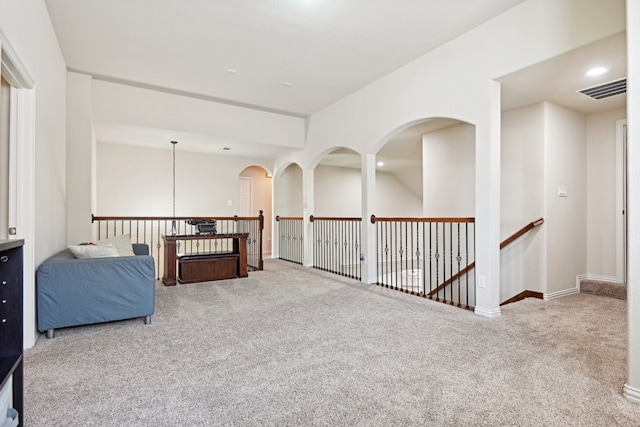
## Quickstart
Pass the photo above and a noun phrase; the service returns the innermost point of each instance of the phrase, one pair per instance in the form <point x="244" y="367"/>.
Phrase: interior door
<point x="245" y="198"/>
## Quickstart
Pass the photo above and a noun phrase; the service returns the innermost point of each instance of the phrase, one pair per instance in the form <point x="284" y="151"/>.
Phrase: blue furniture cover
<point x="72" y="291"/>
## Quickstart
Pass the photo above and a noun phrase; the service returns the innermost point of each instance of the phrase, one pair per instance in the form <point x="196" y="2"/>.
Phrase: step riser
<point x="605" y="289"/>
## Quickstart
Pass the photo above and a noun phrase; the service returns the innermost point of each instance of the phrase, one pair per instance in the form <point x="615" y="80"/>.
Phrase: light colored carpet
<point x="605" y="289"/>
<point x="295" y="346"/>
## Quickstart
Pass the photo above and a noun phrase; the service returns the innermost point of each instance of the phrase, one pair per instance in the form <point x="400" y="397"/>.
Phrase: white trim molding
<point x="608" y="279"/>
<point x="631" y="393"/>
<point x="621" y="200"/>
<point x="559" y="294"/>
<point x="23" y="124"/>
<point x="493" y="313"/>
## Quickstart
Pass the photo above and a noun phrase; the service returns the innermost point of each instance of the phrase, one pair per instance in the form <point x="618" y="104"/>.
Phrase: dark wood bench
<point x="208" y="267"/>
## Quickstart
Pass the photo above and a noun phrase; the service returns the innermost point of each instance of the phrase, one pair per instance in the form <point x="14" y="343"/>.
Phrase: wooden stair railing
<point x="504" y="243"/>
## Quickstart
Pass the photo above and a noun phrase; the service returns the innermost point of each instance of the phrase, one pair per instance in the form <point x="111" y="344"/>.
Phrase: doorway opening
<point x="255" y="194"/>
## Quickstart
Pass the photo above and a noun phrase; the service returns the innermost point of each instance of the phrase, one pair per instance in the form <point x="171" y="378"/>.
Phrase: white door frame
<point x="22" y="174"/>
<point x="621" y="201"/>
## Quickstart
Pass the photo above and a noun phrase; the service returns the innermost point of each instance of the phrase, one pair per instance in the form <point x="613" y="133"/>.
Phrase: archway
<point x="338" y="184"/>
<point x="427" y="169"/>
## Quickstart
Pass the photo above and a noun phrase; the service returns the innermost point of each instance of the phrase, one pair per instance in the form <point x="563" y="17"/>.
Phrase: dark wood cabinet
<point x="204" y="267"/>
<point x="11" y="324"/>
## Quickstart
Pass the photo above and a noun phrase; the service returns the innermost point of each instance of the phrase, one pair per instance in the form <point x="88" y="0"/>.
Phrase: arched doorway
<point x="255" y="190"/>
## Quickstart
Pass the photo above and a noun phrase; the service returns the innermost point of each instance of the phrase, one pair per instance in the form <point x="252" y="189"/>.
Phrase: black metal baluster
<point x="394" y="284"/>
<point x="467" y="262"/>
<point x="158" y="254"/>
<point x="451" y="261"/>
<point x="283" y="246"/>
<point x="417" y="254"/>
<point x="437" y="261"/>
<point x="336" y="246"/>
<point x="424" y="260"/>
<point x="385" y="268"/>
<point x="459" y="259"/>
<point x="301" y="249"/>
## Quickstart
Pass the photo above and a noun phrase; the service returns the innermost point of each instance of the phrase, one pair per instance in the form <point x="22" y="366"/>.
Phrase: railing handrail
<point x="149" y="229"/>
<point x="332" y="218"/>
<point x="288" y="218"/>
<point x="176" y="218"/>
<point x="503" y="244"/>
<point x="375" y="219"/>
<point x="521" y="232"/>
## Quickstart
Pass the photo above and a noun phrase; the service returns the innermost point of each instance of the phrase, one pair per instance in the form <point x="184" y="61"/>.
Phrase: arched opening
<point x="425" y="204"/>
<point x="288" y="201"/>
<point x="428" y="169"/>
<point x="338" y="184"/>
<point x="288" y="196"/>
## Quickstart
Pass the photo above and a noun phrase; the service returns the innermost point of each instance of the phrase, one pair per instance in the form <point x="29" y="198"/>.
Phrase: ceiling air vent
<point x="606" y="90"/>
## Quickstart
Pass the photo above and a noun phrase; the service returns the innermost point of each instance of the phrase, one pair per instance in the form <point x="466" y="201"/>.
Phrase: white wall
<point x="565" y="217"/>
<point x="81" y="151"/>
<point x="456" y="81"/>
<point x="601" y="192"/>
<point x="394" y="198"/>
<point x="288" y="192"/>
<point x="26" y="27"/>
<point x="338" y="191"/>
<point x="522" y="200"/>
<point x="632" y="387"/>
<point x="448" y="172"/>
<point x="546" y="143"/>
<point x="137" y="181"/>
<point x="5" y="94"/>
<point x="522" y="165"/>
<point x="116" y="103"/>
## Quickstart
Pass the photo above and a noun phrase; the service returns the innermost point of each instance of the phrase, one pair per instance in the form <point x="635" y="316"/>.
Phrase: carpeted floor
<point x="295" y="346"/>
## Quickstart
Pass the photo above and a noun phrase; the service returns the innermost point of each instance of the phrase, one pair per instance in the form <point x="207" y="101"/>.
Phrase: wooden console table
<point x="208" y="261"/>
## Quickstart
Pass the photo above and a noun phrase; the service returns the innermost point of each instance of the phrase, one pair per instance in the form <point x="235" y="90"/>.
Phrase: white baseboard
<point x="631" y="393"/>
<point x="599" y="278"/>
<point x="487" y="312"/>
<point x="559" y="294"/>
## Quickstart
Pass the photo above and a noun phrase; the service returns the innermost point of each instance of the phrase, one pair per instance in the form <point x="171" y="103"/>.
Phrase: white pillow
<point x="93" y="251"/>
<point x="122" y="243"/>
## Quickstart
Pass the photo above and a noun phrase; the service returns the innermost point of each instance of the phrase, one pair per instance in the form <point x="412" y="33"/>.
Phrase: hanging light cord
<point x="174" y="177"/>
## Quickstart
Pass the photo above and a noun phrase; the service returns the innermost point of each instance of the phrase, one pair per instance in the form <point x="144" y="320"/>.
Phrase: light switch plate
<point x="562" y="191"/>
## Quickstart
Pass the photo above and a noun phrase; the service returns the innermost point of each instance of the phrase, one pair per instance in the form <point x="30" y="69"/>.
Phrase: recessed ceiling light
<point x="380" y="164"/>
<point x="287" y="84"/>
<point x="232" y="71"/>
<point x="597" y="71"/>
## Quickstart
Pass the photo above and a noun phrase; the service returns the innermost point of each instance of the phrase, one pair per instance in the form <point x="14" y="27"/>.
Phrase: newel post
<point x="260" y="228"/>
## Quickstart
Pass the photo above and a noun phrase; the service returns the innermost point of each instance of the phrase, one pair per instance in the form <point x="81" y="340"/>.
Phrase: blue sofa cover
<point x="72" y="291"/>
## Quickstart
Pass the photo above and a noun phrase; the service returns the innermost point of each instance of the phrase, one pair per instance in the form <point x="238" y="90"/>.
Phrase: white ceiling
<point x="325" y="49"/>
<point x="558" y="79"/>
